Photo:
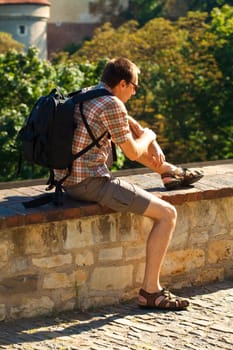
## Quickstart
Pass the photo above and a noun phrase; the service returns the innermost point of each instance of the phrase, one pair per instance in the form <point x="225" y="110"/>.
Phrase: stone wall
<point x="99" y="259"/>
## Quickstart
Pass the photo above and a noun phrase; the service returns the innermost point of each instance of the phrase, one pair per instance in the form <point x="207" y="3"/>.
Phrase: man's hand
<point x="137" y="145"/>
<point x="156" y="153"/>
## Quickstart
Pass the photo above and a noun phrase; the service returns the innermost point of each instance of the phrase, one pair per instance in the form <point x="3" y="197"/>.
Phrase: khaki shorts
<point x="113" y="193"/>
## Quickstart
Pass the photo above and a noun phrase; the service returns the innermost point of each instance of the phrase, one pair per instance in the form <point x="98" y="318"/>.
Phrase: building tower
<point x="26" y="21"/>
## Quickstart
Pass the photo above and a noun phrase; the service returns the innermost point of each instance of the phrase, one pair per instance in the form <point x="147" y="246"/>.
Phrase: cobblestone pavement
<point x="207" y="324"/>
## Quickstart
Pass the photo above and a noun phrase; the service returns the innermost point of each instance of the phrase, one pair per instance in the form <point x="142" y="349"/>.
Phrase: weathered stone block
<point x="140" y="273"/>
<point x="57" y="280"/>
<point x="20" y="264"/>
<point x="183" y="261"/>
<point x="80" y="277"/>
<point x="198" y="237"/>
<point x="202" y="215"/>
<point x="228" y="271"/>
<point x="79" y="234"/>
<point x="18" y="284"/>
<point x="3" y="253"/>
<point x="113" y="277"/>
<point x="84" y="259"/>
<point x="210" y="275"/>
<point x="144" y="227"/>
<point x="2" y="312"/>
<point x="30" y="307"/>
<point x="135" y="251"/>
<point x="129" y="227"/>
<point x="52" y="261"/>
<point x="181" y="233"/>
<point x="111" y="253"/>
<point x="220" y="250"/>
<point x="104" y="229"/>
<point x="38" y="239"/>
<point x="227" y="205"/>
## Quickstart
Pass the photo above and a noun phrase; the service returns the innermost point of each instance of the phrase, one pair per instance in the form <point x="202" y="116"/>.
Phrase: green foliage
<point x="222" y="27"/>
<point x="206" y="5"/>
<point x="7" y="42"/>
<point x="24" y="77"/>
<point x="107" y="42"/>
<point x="190" y="86"/>
<point x="119" y="163"/>
<point x="181" y="95"/>
<point x="107" y="10"/>
<point x="144" y="10"/>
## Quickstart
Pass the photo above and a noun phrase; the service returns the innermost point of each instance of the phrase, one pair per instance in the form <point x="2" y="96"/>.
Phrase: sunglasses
<point x="134" y="85"/>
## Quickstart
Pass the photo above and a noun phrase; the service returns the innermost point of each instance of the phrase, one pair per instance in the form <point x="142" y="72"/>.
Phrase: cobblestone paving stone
<point x="207" y="324"/>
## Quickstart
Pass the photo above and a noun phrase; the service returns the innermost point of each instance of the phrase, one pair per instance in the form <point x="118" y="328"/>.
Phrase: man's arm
<point x="135" y="127"/>
<point x="154" y="156"/>
<point x="134" y="148"/>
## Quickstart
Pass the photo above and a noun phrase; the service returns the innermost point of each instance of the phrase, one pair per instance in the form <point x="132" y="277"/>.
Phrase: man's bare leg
<point x="164" y="215"/>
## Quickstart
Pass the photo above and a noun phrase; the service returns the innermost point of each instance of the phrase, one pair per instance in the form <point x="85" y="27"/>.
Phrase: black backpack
<point x="47" y="136"/>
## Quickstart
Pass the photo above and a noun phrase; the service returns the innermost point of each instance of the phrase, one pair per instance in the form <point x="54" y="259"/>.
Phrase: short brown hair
<point x="118" y="69"/>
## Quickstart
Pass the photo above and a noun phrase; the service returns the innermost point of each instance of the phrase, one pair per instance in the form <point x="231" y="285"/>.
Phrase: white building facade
<point x="26" y="21"/>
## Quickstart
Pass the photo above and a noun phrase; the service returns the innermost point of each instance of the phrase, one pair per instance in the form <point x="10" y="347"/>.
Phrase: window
<point x="22" y="30"/>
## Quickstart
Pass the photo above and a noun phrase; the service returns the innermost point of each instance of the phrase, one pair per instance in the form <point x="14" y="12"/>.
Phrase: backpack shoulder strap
<point x="85" y="96"/>
<point x="95" y="141"/>
<point x="90" y="94"/>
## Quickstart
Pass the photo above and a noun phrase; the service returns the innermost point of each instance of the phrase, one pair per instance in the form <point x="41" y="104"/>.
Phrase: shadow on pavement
<point x="76" y="322"/>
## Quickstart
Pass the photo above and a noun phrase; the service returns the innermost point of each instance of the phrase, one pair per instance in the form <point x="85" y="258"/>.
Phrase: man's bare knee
<point x="171" y="211"/>
<point x="161" y="210"/>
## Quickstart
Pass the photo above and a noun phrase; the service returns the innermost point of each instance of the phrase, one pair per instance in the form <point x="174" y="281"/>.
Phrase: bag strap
<point x="41" y="200"/>
<point x="83" y="151"/>
<point x="95" y="141"/>
<point x="81" y="96"/>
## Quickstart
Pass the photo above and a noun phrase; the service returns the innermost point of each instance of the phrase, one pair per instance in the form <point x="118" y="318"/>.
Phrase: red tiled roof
<point x="14" y="2"/>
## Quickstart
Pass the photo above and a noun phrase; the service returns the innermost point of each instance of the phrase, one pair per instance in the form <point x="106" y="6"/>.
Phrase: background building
<point x="56" y="24"/>
<point x="71" y="21"/>
<point x="26" y="21"/>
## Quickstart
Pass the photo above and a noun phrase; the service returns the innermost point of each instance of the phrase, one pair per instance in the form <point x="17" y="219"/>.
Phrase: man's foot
<point x="181" y="177"/>
<point x="163" y="300"/>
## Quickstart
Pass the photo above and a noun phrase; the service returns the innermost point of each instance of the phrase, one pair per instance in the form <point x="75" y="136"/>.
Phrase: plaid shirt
<point x="102" y="113"/>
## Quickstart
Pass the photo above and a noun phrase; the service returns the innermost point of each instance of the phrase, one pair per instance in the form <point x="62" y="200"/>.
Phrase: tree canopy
<point x="185" y="80"/>
<point x="185" y="92"/>
<point x="7" y="42"/>
<point x="144" y="10"/>
<point x="24" y="77"/>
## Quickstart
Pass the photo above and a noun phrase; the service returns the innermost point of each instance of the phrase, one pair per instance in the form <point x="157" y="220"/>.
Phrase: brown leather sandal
<point x="181" y="178"/>
<point x="162" y="300"/>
